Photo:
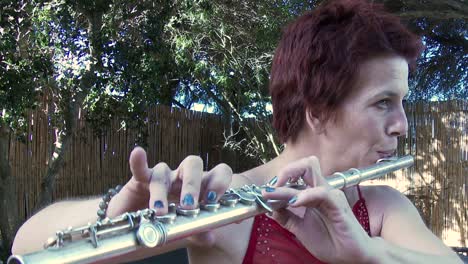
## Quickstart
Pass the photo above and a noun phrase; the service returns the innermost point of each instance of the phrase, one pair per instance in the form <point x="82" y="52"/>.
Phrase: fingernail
<point x="292" y="200"/>
<point x="273" y="181"/>
<point x="188" y="199"/>
<point x="211" y="196"/>
<point x="269" y="189"/>
<point x="158" y="204"/>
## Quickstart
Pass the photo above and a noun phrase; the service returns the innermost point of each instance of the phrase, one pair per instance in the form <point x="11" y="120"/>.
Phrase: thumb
<point x="287" y="219"/>
<point x="139" y="165"/>
<point x="206" y="239"/>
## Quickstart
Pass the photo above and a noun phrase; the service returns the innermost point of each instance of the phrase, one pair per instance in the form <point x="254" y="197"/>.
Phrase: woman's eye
<point x="384" y="103"/>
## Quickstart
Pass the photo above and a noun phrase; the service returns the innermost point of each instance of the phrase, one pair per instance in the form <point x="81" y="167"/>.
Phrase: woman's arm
<point x="34" y="233"/>
<point x="404" y="238"/>
<point x="148" y="188"/>
<point x="387" y="252"/>
<point x="331" y="232"/>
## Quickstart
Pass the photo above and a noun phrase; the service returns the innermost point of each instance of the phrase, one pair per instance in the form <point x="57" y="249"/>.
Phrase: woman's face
<point x="370" y="120"/>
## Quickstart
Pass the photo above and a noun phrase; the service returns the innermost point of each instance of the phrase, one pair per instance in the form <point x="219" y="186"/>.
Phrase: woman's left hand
<point x="328" y="227"/>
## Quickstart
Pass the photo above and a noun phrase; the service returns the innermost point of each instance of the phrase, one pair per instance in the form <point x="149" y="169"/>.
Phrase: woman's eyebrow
<point x="387" y="93"/>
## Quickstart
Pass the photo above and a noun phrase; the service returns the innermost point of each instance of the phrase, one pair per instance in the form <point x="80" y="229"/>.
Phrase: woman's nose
<point x="398" y="125"/>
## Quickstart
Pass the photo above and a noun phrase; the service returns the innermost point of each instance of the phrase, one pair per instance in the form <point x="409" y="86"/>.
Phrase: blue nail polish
<point x="158" y="204"/>
<point x="269" y="189"/>
<point x="293" y="200"/>
<point x="211" y="196"/>
<point x="273" y="181"/>
<point x="188" y="199"/>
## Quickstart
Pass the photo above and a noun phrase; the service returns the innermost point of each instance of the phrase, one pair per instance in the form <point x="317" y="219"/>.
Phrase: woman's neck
<point x="302" y="149"/>
<point x="295" y="152"/>
<point x="304" y="146"/>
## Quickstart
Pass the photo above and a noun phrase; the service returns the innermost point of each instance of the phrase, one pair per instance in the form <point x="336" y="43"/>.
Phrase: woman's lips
<point x="386" y="154"/>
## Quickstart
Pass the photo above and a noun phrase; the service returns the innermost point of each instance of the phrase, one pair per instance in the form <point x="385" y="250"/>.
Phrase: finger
<point x="160" y="183"/>
<point x="310" y="197"/>
<point x="215" y="183"/>
<point x="190" y="172"/>
<point x="318" y="197"/>
<point x="139" y="165"/>
<point x="307" y="168"/>
<point x="279" y="193"/>
<point x="134" y="193"/>
<point x="313" y="176"/>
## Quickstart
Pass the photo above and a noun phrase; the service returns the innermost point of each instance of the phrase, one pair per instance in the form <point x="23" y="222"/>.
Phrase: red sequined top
<point x="271" y="243"/>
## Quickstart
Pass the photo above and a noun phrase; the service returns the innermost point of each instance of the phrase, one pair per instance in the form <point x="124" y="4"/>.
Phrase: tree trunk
<point x="70" y="111"/>
<point x="62" y="145"/>
<point x="9" y="221"/>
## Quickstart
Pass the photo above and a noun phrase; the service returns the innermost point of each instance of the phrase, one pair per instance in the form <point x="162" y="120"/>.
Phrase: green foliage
<point x="442" y="71"/>
<point x="22" y="69"/>
<point x="226" y="49"/>
<point x="120" y="57"/>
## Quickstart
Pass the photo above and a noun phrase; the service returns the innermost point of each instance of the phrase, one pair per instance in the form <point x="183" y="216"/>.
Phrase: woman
<point x="338" y="79"/>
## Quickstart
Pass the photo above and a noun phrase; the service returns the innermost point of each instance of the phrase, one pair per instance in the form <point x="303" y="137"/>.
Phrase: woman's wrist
<point x="105" y="201"/>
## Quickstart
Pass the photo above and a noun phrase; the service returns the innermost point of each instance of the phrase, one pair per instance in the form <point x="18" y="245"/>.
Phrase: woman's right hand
<point x="323" y="220"/>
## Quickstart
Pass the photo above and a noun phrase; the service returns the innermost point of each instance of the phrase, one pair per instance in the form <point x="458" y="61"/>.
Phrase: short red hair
<point x="318" y="56"/>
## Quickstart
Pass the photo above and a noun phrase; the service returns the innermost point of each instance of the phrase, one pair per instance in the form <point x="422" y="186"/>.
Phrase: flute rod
<point x="99" y="246"/>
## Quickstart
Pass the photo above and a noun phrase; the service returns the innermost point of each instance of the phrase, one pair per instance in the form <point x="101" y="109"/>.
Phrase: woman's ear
<point x="313" y="122"/>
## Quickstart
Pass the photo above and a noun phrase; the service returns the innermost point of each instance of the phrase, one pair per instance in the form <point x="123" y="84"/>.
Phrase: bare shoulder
<point x="398" y="221"/>
<point x="384" y="196"/>
<point x="384" y="202"/>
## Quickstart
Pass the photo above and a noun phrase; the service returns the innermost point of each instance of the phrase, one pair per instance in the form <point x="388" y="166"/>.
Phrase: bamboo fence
<point x="438" y="182"/>
<point x="95" y="162"/>
<point x="437" y="137"/>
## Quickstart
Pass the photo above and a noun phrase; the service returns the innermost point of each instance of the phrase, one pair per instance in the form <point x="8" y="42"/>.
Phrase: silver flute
<point x="133" y="230"/>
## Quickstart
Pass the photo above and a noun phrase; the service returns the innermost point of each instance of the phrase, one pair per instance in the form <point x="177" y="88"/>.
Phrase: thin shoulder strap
<point x="359" y="192"/>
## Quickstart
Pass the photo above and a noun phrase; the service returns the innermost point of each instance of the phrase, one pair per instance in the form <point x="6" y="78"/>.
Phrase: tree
<point x="227" y="47"/>
<point x="22" y="72"/>
<point x="442" y="72"/>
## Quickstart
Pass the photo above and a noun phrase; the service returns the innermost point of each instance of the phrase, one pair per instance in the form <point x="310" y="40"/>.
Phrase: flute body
<point x="131" y="231"/>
